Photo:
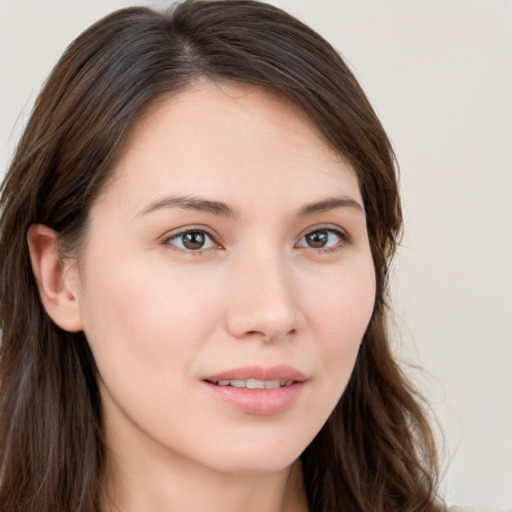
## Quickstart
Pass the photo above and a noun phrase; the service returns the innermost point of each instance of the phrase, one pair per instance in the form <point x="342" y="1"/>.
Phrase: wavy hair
<point x="376" y="451"/>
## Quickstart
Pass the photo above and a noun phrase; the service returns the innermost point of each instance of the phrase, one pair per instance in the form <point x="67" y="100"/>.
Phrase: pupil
<point x="193" y="240"/>
<point x="317" y="239"/>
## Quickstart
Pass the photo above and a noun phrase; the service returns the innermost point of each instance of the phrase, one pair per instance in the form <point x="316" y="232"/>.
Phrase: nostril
<point x="270" y="336"/>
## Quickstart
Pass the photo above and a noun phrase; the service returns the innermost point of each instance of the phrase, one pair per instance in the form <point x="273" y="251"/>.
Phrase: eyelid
<point x="169" y="236"/>
<point x="337" y="230"/>
<point x="343" y="235"/>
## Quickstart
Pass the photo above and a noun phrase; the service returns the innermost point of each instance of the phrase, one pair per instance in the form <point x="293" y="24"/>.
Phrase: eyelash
<point x="342" y="235"/>
<point x="344" y="240"/>
<point x="168" y="241"/>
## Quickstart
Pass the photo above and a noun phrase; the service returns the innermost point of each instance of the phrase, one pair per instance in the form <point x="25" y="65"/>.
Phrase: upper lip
<point x="280" y="372"/>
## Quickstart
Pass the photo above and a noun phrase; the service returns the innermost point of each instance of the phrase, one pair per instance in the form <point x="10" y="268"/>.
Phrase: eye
<point x="192" y="240"/>
<point x="325" y="238"/>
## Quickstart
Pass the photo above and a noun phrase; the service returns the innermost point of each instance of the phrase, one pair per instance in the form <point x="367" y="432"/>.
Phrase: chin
<point x="257" y="457"/>
<point x="260" y="467"/>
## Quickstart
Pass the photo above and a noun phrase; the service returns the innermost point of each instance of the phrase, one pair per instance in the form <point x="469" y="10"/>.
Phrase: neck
<point x="201" y="490"/>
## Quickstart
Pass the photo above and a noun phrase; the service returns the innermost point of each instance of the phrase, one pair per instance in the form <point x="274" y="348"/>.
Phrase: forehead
<point x="226" y="140"/>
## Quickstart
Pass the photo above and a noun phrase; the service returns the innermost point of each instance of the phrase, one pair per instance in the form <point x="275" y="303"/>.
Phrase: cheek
<point x="338" y="318"/>
<point x="139" y="321"/>
<point x="343" y="305"/>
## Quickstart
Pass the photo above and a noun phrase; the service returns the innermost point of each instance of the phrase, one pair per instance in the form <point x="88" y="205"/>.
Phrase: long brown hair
<point x="376" y="452"/>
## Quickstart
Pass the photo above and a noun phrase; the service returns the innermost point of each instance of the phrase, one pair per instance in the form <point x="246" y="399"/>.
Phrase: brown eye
<point x="318" y="239"/>
<point x="323" y="239"/>
<point x="192" y="240"/>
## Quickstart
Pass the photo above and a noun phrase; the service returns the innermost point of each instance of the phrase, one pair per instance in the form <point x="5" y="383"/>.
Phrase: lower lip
<point x="263" y="402"/>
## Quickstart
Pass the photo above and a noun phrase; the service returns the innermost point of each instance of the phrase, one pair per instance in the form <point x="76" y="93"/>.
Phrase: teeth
<point x="255" y="383"/>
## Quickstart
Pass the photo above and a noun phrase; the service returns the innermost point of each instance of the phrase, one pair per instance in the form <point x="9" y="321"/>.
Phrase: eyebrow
<point x="330" y="204"/>
<point x="196" y="204"/>
<point x="200" y="204"/>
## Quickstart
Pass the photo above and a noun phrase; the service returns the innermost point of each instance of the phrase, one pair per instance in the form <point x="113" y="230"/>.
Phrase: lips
<point x="281" y="373"/>
<point x="257" y="390"/>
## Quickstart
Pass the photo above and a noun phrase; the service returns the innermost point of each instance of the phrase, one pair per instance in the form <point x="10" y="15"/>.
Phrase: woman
<point x="196" y="232"/>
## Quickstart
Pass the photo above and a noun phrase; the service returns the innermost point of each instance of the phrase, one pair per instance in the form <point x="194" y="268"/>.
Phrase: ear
<point x="56" y="281"/>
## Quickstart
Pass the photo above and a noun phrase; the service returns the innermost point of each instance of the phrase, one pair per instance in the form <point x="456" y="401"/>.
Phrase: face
<point x="226" y="282"/>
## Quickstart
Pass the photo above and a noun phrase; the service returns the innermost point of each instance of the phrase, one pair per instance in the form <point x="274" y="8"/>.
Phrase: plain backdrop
<point x="439" y="74"/>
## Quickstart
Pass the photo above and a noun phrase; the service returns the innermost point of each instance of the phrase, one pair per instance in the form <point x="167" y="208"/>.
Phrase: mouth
<point x="253" y="383"/>
<point x="258" y="390"/>
<point x="257" y="377"/>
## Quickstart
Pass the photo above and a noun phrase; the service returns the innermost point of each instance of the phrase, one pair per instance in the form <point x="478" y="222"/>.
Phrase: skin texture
<point x="160" y="317"/>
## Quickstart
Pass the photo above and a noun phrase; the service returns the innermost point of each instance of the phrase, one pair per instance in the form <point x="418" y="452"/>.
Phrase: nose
<point x="264" y="302"/>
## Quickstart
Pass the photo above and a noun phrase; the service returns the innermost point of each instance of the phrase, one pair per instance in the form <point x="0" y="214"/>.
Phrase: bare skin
<point x="231" y="241"/>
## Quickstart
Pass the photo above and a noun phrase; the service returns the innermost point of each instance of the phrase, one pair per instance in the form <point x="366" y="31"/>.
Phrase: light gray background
<point x="439" y="75"/>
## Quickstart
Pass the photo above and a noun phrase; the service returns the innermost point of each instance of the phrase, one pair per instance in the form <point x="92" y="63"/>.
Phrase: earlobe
<point x="54" y="279"/>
